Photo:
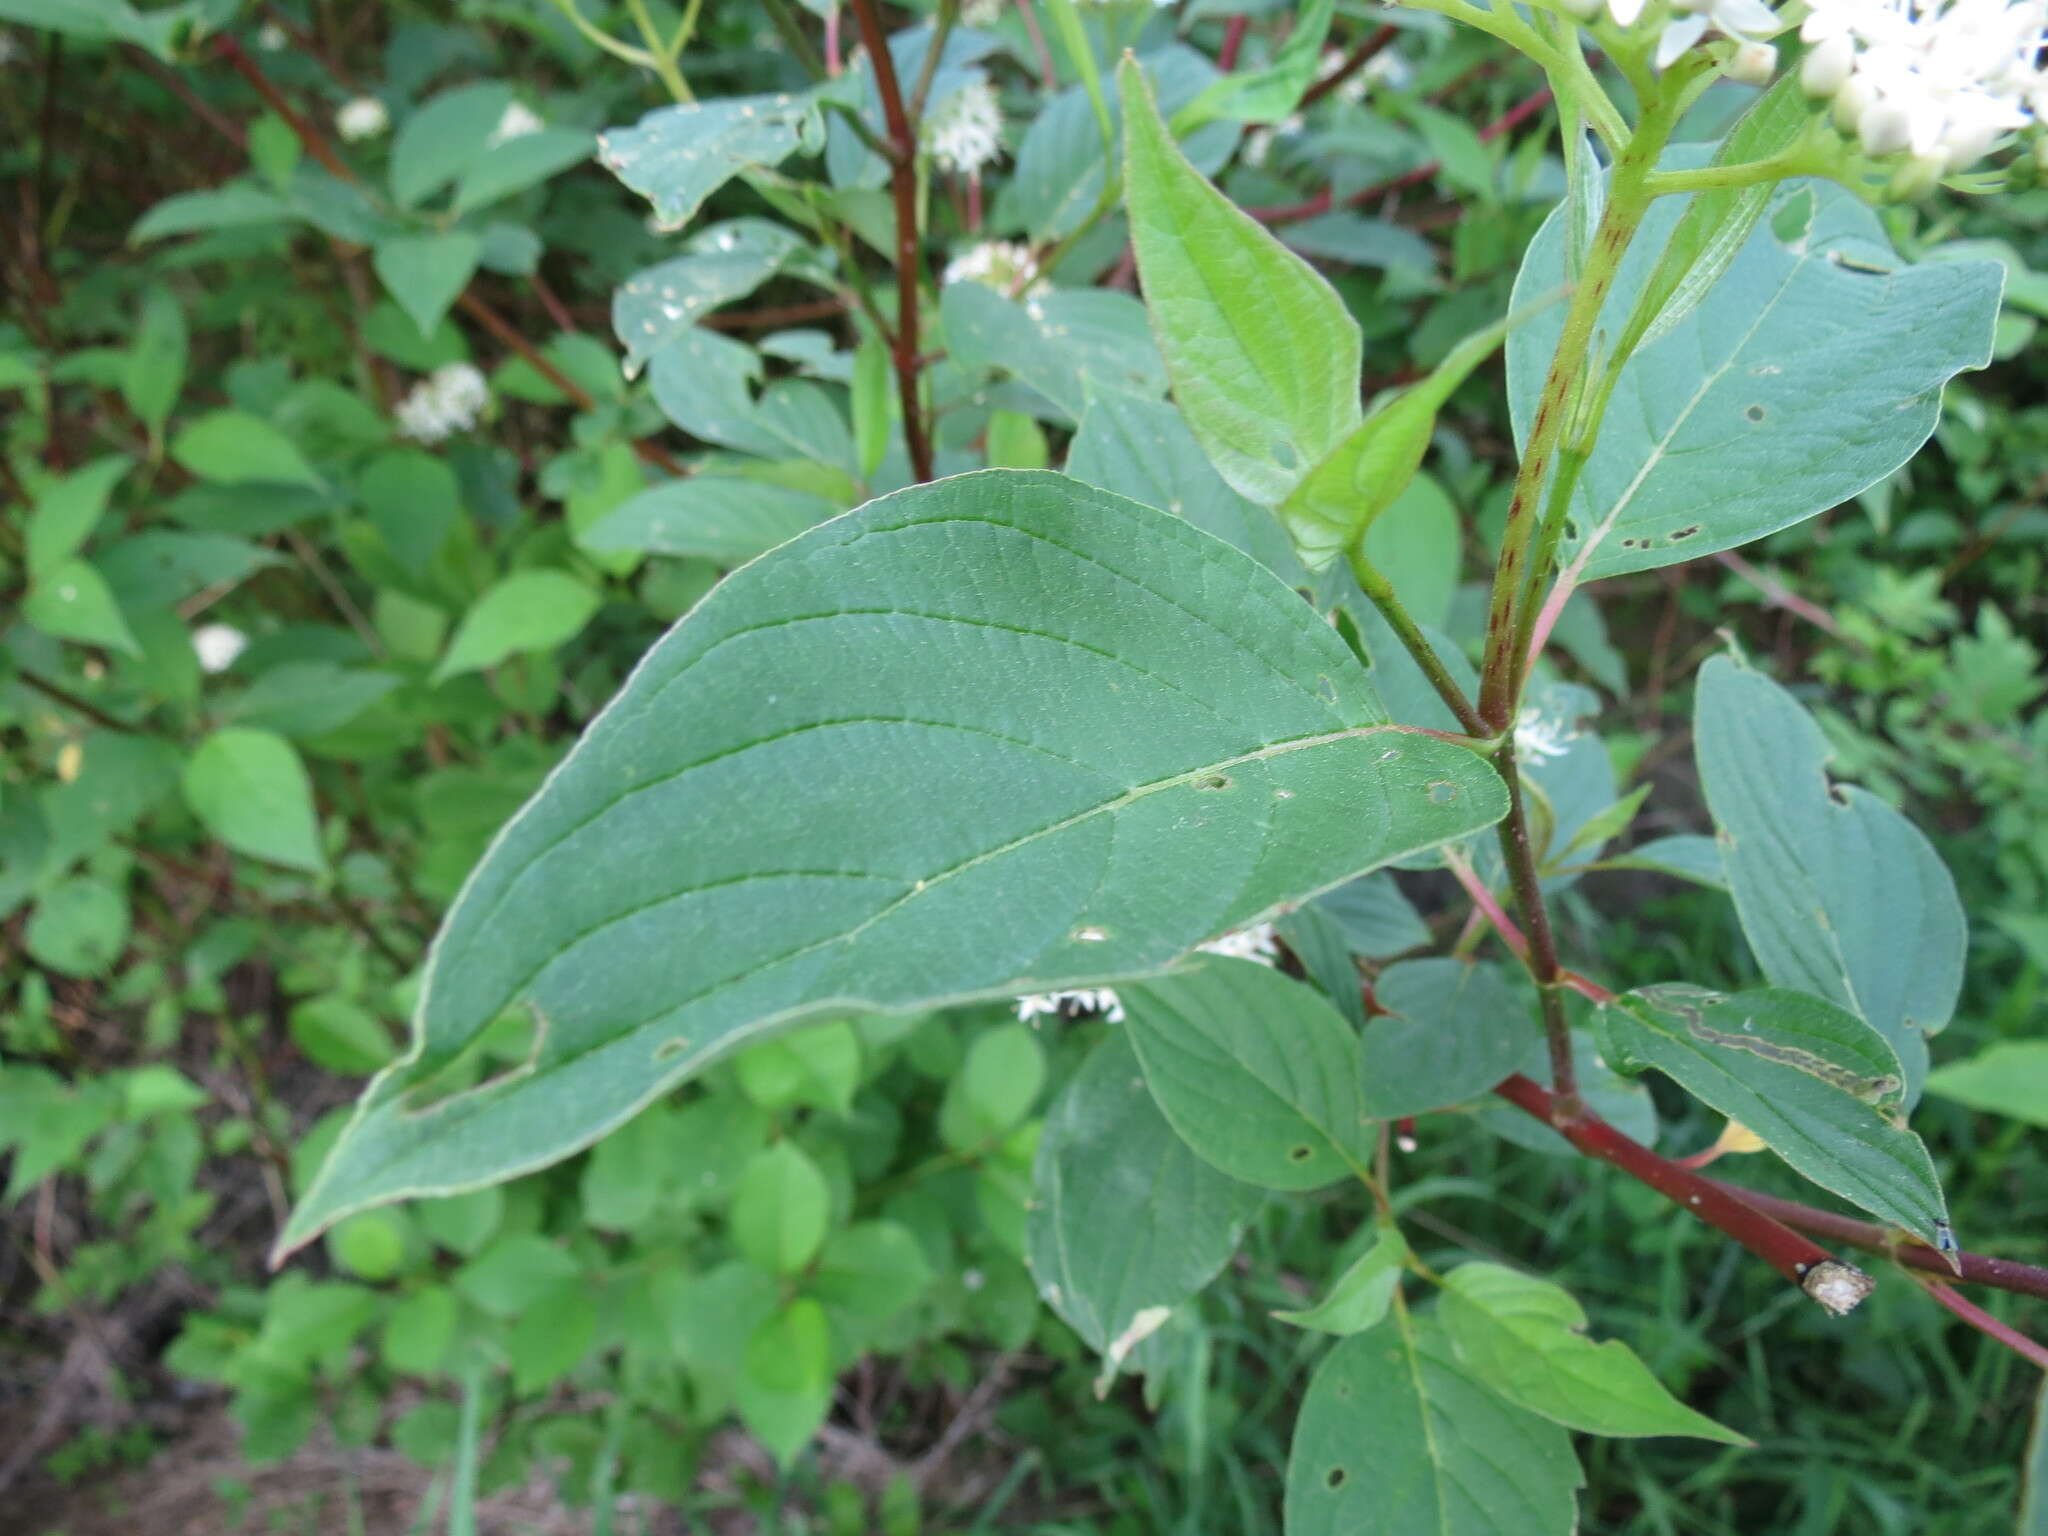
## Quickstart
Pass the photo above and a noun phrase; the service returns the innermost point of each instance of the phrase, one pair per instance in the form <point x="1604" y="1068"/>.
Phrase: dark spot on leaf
<point x="1754" y="413"/>
<point x="1214" y="781"/>
<point x="1684" y="533"/>
<point x="1334" y="1478"/>
<point x="1299" y="1154"/>
<point x="1442" y="792"/>
<point x="1327" y="690"/>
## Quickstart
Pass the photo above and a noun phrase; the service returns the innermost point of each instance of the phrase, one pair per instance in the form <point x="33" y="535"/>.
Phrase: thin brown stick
<point x="73" y="702"/>
<point x="1835" y="1285"/>
<point x="903" y="184"/>
<point x="1368" y="50"/>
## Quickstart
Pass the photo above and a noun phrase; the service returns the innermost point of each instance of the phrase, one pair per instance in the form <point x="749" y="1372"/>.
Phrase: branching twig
<point x="1371" y="48"/>
<point x="903" y="183"/>
<point x="1835" y="1285"/>
<point x="1985" y="1323"/>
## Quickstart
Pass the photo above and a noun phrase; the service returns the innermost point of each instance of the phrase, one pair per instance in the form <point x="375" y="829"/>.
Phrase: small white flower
<point x="1753" y="64"/>
<point x="1259" y="942"/>
<point x="1538" y="736"/>
<point x="1004" y="265"/>
<point x="519" y="120"/>
<point x="981" y="13"/>
<point x="362" y="118"/>
<point x="272" y="38"/>
<point x="1057" y="1005"/>
<point x="218" y="645"/>
<point x="446" y="401"/>
<point x="965" y="131"/>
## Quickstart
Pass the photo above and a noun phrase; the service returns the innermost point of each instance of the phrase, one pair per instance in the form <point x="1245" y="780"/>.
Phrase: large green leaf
<point x="1263" y="355"/>
<point x="1817" y="1084"/>
<point x="252" y="792"/>
<point x="436" y="142"/>
<point x="1526" y="1338"/>
<point x="1453" y="1029"/>
<point x="1398" y="1438"/>
<point x="1126" y="1222"/>
<point x="1257" y="1073"/>
<point x="1839" y="894"/>
<point x="1811" y="370"/>
<point x="996" y="735"/>
<point x="1067" y="346"/>
<point x="427" y="273"/>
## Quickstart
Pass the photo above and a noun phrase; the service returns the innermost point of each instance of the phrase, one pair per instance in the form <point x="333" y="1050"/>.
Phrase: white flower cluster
<point x="218" y="645"/>
<point x="1259" y="942"/>
<point x="518" y="121"/>
<point x="965" y="131"/>
<point x="1749" y="22"/>
<point x="446" y="400"/>
<point x="1539" y="736"/>
<point x="362" y="118"/>
<point x="1942" y="80"/>
<point x="1005" y="265"/>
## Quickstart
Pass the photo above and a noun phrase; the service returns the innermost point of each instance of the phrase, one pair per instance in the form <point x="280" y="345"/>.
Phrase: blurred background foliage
<point x="311" y="405"/>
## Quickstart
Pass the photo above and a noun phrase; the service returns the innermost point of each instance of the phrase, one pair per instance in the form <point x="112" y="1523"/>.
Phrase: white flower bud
<point x="1885" y="128"/>
<point x="1916" y="176"/>
<point x="1856" y="97"/>
<point x="363" y="118"/>
<point x="218" y="645"/>
<point x="1753" y="64"/>
<point x="1826" y="67"/>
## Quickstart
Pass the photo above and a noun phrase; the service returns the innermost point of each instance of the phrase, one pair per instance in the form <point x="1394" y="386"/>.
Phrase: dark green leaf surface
<point x="1126" y="1222"/>
<point x="1254" y="1070"/>
<point x="1838" y="893"/>
<point x="1816" y="1083"/>
<point x="1453" y="1029"/>
<point x="1398" y="1438"/>
<point x="997" y="735"/>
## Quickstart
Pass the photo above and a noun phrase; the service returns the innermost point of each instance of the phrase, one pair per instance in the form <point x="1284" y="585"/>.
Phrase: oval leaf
<point x="251" y="791"/>
<point x="829" y="787"/>
<point x="1257" y="1073"/>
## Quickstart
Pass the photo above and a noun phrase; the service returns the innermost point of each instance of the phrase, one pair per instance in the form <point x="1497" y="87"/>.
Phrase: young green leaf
<point x="1361" y="1295"/>
<point x="1397" y="1437"/>
<point x="1180" y="722"/>
<point x="1126" y="1223"/>
<point x="154" y="375"/>
<point x="1255" y="1071"/>
<point x="1265" y="95"/>
<point x="1263" y="355"/>
<point x="526" y="612"/>
<point x="2009" y="1078"/>
<point x="1839" y="894"/>
<point x="785" y="1380"/>
<point x="1526" y="1339"/>
<point x="994" y="1090"/>
<point x="1339" y="499"/>
<point x="427" y="273"/>
<point x="434" y="143"/>
<point x="1818" y="1084"/>
<point x="72" y="601"/>
<point x="236" y="447"/>
<point x="780" y="1209"/>
<point x="250" y="790"/>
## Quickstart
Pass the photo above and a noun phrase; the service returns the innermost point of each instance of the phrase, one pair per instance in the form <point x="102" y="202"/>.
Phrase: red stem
<point x="1233" y="40"/>
<point x="1985" y="1323"/>
<point x="1835" y="1285"/>
<point x="903" y="183"/>
<point x="1357" y="59"/>
<point x="1971" y="1268"/>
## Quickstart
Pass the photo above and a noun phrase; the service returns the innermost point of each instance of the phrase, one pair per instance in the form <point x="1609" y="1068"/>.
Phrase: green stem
<point x="1520" y="855"/>
<point x="1627" y="201"/>
<point x="1074" y="38"/>
<point x="660" y="60"/>
<point x="942" y="28"/>
<point x="1799" y="160"/>
<point x="1409" y="633"/>
<point x="602" y="38"/>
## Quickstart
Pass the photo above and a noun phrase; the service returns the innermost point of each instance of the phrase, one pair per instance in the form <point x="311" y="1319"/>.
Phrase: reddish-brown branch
<point x="1835" y="1285"/>
<point x="903" y="183"/>
<point x="1971" y="1268"/>
<point x="1233" y="40"/>
<point x="1985" y="1323"/>
<point x="1368" y="50"/>
<point x="314" y="141"/>
<point x="1323" y="201"/>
